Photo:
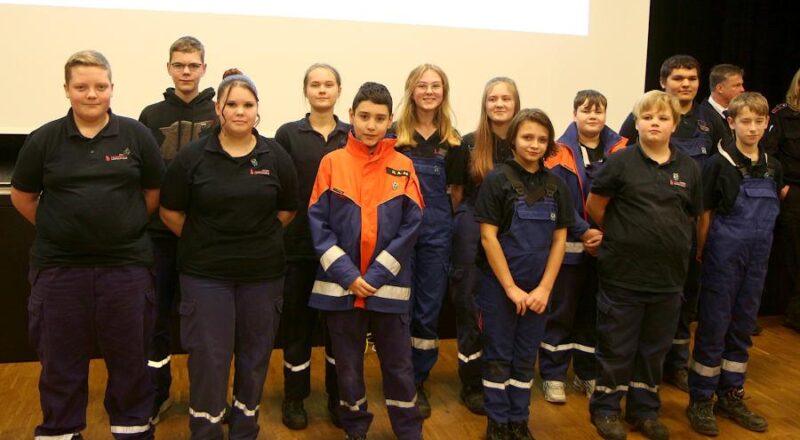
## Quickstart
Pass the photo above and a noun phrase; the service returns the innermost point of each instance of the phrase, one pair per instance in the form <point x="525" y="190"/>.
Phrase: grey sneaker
<point x="731" y="405"/>
<point x="554" y="391"/>
<point x="585" y="386"/>
<point x="650" y="428"/>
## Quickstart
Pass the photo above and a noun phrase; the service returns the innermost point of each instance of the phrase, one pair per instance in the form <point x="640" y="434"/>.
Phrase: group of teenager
<point x="595" y="247"/>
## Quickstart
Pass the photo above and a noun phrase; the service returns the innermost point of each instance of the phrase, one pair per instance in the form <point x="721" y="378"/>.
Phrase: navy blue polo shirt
<point x="231" y="231"/>
<point x="648" y="225"/>
<point x="91" y="210"/>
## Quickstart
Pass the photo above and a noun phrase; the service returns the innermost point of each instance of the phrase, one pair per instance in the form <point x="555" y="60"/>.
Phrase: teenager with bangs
<point x="487" y="146"/>
<point x="425" y="133"/>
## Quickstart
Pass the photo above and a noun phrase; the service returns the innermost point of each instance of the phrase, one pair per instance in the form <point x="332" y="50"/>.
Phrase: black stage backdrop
<point x="761" y="36"/>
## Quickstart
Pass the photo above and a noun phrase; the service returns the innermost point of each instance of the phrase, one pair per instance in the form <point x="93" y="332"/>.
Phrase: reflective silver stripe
<point x="130" y="429"/>
<point x="355" y="407"/>
<point x="393" y="292"/>
<point x="574" y="247"/>
<point x="644" y="386"/>
<point x="55" y="437"/>
<point x="243" y="408"/>
<point x="680" y="341"/>
<point x="330" y="360"/>
<point x="583" y="348"/>
<point x="401" y="403"/>
<point x="207" y="416"/>
<point x="494" y="385"/>
<point x="389" y="262"/>
<point x="329" y="289"/>
<point x="296" y="368"/>
<point x="705" y="370"/>
<point x="330" y="256"/>
<point x="424" y="344"/>
<point x="466" y="359"/>
<point x="554" y="348"/>
<point x="734" y="367"/>
<point x="520" y="384"/>
<point x="608" y="390"/>
<point x="159" y="364"/>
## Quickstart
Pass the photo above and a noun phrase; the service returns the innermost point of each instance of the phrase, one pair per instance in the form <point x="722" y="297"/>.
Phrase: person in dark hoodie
<point x="183" y="115"/>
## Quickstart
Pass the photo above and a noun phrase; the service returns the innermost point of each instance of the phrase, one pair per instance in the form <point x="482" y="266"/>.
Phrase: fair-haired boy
<point x="364" y="212"/>
<point x="742" y="200"/>
<point x="644" y="199"/>
<point x="179" y="119"/>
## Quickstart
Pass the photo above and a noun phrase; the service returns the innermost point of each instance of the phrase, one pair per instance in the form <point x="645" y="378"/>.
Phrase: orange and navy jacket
<point x="364" y="212"/>
<point x="568" y="163"/>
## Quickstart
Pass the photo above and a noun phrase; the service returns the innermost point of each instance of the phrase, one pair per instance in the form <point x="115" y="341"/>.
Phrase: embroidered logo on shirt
<point x="703" y="126"/>
<point x="676" y="181"/>
<point x="259" y="172"/>
<point x="399" y="173"/>
<point x="124" y="155"/>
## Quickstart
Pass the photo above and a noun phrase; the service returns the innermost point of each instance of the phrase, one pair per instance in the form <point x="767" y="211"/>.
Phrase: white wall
<point x="275" y="52"/>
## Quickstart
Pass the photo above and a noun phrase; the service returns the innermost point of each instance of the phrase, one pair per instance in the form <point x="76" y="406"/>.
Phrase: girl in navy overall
<point x="487" y="147"/>
<point x="425" y="134"/>
<point x="524" y="211"/>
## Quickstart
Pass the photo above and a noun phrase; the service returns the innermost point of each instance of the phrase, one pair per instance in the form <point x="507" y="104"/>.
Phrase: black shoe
<point x="757" y="330"/>
<point x="679" y="379"/>
<point x="731" y="405"/>
<point x="294" y="415"/>
<point x="519" y="431"/>
<point x="333" y="412"/>
<point x="650" y="428"/>
<point x="496" y="431"/>
<point x="355" y="437"/>
<point x="473" y="399"/>
<point x="609" y="427"/>
<point x="701" y="417"/>
<point x="422" y="402"/>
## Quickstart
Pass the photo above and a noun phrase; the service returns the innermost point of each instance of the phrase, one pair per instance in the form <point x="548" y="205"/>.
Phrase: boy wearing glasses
<point x="180" y="118"/>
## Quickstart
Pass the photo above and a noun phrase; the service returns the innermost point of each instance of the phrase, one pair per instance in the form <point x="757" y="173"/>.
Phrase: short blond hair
<point x="755" y="101"/>
<point x="86" y="58"/>
<point x="658" y="100"/>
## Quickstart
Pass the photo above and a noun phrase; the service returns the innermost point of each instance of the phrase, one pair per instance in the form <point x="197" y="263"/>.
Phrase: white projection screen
<point x="551" y="48"/>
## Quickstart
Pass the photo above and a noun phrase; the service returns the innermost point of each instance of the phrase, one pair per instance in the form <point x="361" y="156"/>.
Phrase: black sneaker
<point x="609" y="427"/>
<point x="679" y="379"/>
<point x="650" y="428"/>
<point x="473" y="399"/>
<point x="701" y="416"/>
<point x="294" y="415"/>
<point x="333" y="411"/>
<point x="497" y="431"/>
<point x="519" y="431"/>
<point x="422" y="402"/>
<point x="731" y="405"/>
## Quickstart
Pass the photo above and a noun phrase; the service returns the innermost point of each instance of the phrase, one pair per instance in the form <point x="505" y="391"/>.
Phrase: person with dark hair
<point x="570" y="332"/>
<point x="645" y="200"/>
<point x="180" y="118"/>
<point x="307" y="141"/>
<point x="364" y="212"/>
<point x="698" y="134"/>
<point x="88" y="182"/>
<point x="228" y="196"/>
<point x="742" y="187"/>
<point x="425" y="133"/>
<point x="725" y="82"/>
<point x="783" y="141"/>
<point x="523" y="211"/>
<point x="487" y="147"/>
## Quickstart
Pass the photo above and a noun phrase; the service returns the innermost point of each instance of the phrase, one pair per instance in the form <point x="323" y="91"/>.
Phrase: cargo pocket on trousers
<point x="186" y="311"/>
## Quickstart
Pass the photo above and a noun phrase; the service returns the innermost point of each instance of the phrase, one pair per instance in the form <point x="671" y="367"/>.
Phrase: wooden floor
<point x="773" y="386"/>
